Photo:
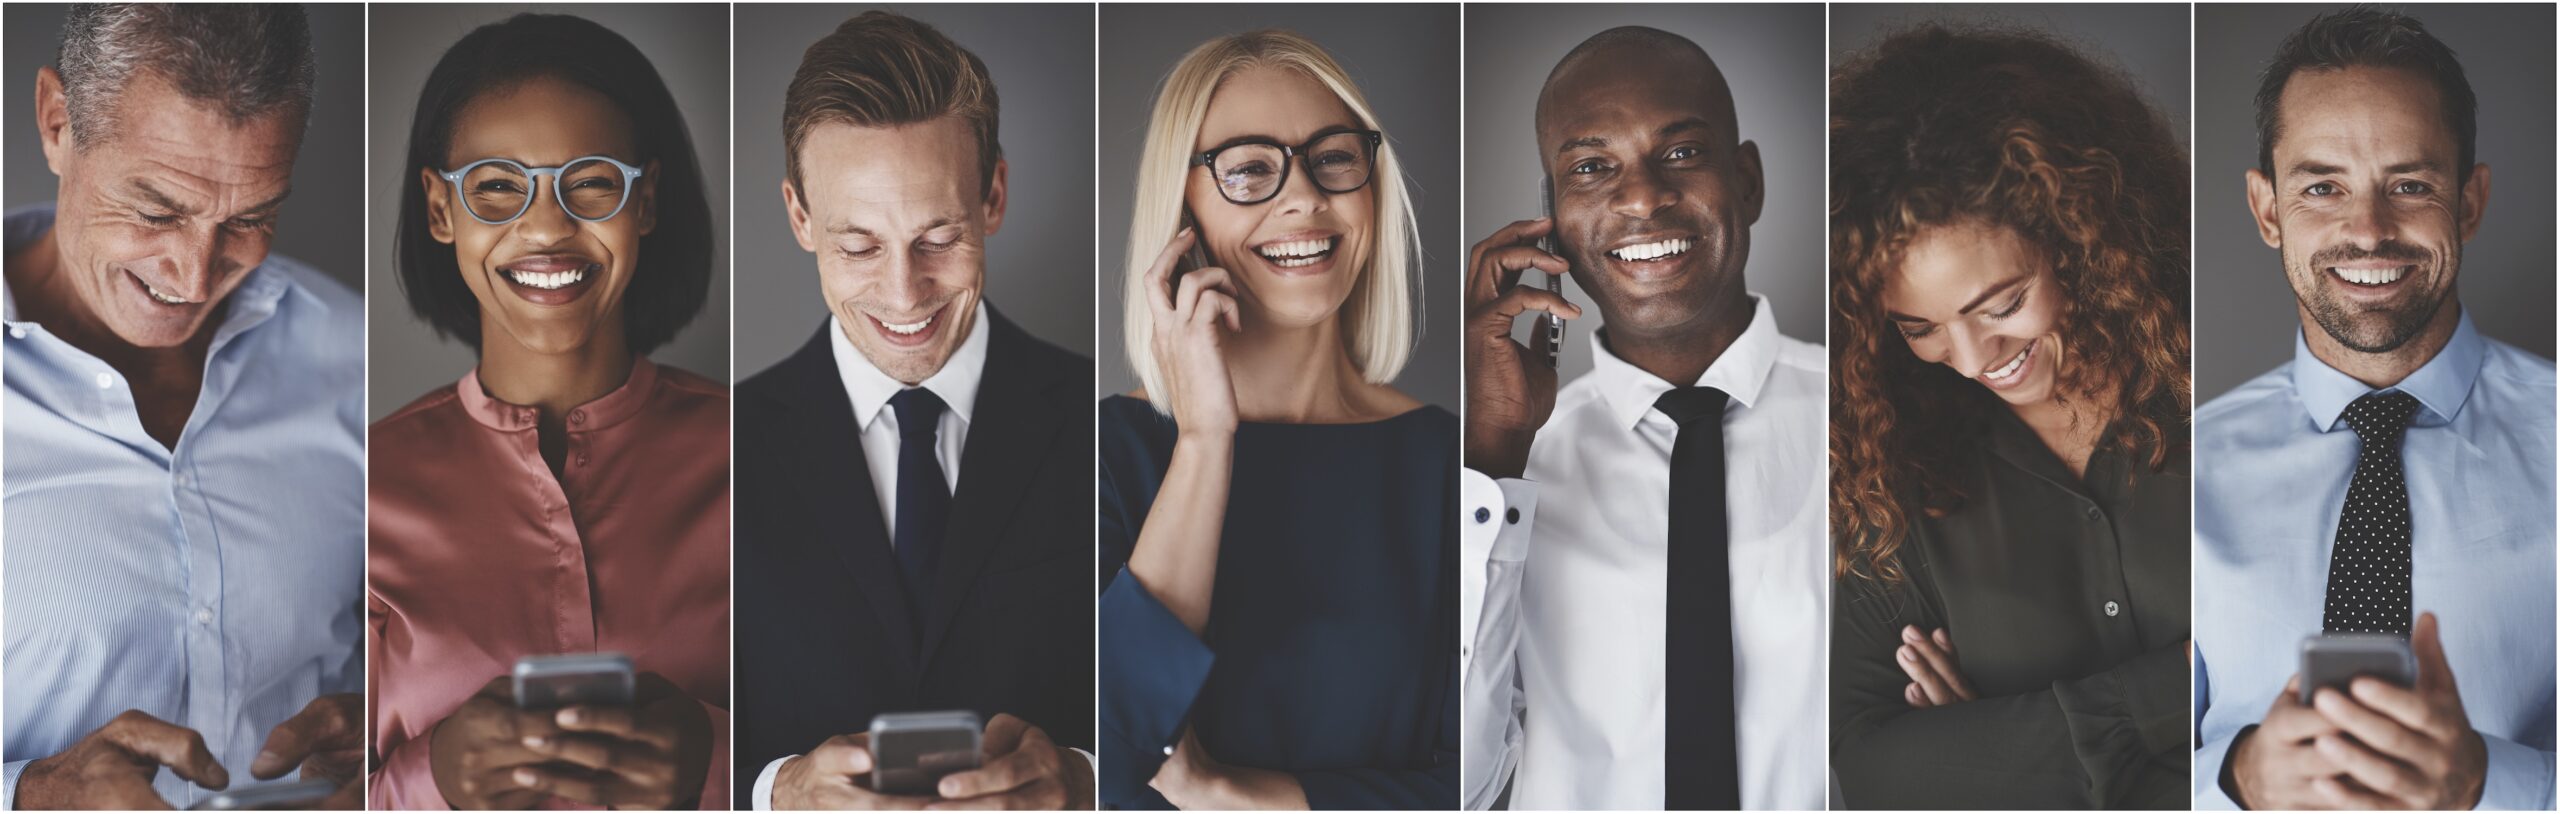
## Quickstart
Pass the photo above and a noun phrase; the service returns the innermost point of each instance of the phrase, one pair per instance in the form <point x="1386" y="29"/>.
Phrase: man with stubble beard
<point x="2400" y="464"/>
<point x="1644" y="572"/>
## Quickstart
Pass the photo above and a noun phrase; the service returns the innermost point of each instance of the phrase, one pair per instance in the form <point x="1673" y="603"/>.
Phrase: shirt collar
<point x="607" y="410"/>
<point x="2441" y="385"/>
<point x="1740" y="372"/>
<point x="956" y="383"/>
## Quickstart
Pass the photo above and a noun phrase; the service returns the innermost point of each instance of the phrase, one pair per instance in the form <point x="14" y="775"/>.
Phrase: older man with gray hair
<point x="185" y="512"/>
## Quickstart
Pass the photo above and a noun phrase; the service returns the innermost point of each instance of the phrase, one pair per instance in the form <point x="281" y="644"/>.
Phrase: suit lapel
<point x="998" y="465"/>
<point x="835" y="483"/>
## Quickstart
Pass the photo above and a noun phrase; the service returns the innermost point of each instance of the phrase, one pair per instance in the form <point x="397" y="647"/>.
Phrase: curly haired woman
<point x="2009" y="429"/>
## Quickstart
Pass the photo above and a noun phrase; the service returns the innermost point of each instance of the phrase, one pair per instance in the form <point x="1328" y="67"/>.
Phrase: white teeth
<point x="2011" y="369"/>
<point x="905" y="329"/>
<point x="548" y="280"/>
<point x="1651" y="251"/>
<point x="155" y="294"/>
<point x="1296" y="253"/>
<point x="2372" y="276"/>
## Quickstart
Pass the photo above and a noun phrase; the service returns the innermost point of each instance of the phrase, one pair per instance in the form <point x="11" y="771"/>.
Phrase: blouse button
<point x="1168" y="750"/>
<point x="2094" y="514"/>
<point x="577" y="418"/>
<point x="2111" y="608"/>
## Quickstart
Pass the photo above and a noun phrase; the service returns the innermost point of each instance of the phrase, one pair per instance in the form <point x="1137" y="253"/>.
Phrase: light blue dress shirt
<point x="2272" y="465"/>
<point x="216" y="586"/>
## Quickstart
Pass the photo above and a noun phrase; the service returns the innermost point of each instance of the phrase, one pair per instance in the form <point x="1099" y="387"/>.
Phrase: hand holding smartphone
<point x="911" y="751"/>
<point x="269" y="797"/>
<point x="2334" y="659"/>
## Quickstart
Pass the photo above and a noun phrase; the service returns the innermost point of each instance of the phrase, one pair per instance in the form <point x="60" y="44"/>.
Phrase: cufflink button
<point x="1511" y="516"/>
<point x="1483" y="514"/>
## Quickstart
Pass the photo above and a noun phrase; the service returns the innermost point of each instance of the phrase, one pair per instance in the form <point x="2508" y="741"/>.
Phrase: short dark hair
<point x="247" y="60"/>
<point x="2367" y="37"/>
<point x="881" y="69"/>
<point x="674" y="273"/>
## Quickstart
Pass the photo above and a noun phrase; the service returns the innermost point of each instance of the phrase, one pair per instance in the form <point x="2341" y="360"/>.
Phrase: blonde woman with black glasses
<point x="1279" y="559"/>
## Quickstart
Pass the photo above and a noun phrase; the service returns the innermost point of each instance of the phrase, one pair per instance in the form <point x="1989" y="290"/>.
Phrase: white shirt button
<point x="2111" y="608"/>
<point x="19" y="331"/>
<point x="204" y="616"/>
<point x="106" y="380"/>
<point x="1168" y="750"/>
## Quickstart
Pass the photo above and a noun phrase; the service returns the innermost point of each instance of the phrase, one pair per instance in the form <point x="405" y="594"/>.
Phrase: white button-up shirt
<point x="1563" y="607"/>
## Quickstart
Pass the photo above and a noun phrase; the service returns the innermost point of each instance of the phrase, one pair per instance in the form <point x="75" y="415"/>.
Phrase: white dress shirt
<point x="956" y="384"/>
<point x="1563" y="603"/>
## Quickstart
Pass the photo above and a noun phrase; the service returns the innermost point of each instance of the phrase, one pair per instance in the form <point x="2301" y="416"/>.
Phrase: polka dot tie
<point x="2369" y="564"/>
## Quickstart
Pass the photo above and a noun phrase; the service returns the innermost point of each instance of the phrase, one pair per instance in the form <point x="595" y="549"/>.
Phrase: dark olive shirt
<point x="2067" y="601"/>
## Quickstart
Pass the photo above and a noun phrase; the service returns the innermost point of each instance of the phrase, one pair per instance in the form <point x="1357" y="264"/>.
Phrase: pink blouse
<point x="480" y="556"/>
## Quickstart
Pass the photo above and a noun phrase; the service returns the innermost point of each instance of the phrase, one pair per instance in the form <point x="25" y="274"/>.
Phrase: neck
<point x="1292" y="375"/>
<point x="2387" y="368"/>
<point x="552" y="383"/>
<point x="45" y="295"/>
<point x="1682" y="353"/>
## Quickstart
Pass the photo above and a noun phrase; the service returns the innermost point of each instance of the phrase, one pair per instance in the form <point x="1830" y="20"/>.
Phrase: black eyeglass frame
<point x="1291" y="157"/>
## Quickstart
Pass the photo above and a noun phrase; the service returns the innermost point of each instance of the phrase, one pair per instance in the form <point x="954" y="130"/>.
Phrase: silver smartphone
<point x="271" y="796"/>
<point x="911" y="751"/>
<point x="1555" y="282"/>
<point x="550" y="682"/>
<point x="2333" y="659"/>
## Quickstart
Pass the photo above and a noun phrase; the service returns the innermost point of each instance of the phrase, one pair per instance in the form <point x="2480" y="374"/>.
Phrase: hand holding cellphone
<point x="911" y="751"/>
<point x="2334" y="659"/>
<point x="551" y="682"/>
<point x="271" y="796"/>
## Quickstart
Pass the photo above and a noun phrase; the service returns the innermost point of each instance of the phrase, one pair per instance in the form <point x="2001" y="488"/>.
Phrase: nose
<point x="194" y="260"/>
<point x="2371" y="222"/>
<point x="1968" y="351"/>
<point x="544" y="223"/>
<point x="906" y="284"/>
<point x="1301" y="196"/>
<point x="1643" y="193"/>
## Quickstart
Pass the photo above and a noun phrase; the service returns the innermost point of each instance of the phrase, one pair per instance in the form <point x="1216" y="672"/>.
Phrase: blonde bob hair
<point x="1378" y="321"/>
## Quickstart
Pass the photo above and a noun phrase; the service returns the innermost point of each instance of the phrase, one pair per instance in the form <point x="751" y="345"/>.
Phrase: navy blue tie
<point x="924" y="497"/>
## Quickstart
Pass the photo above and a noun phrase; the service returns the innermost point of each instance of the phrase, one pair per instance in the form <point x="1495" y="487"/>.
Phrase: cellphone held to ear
<point x="1555" y="282"/>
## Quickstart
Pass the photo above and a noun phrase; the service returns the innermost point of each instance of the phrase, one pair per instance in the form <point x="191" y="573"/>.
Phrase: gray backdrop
<point x="322" y="224"/>
<point x="1041" y="56"/>
<point x="1404" y="57"/>
<point x="689" y="44"/>
<point x="1771" y="55"/>
<point x="2245" y="316"/>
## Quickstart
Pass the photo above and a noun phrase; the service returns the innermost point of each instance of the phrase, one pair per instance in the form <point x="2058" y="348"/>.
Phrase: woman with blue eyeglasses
<point x="566" y="496"/>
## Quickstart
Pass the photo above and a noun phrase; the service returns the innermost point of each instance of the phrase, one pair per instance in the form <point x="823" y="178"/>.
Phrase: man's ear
<point x="2475" y="200"/>
<point x="439" y="205"/>
<point x="1748" y="181"/>
<point x="645" y="196"/>
<point x="2262" y="208"/>
<point x="799" y="216"/>
<point x="53" y="119"/>
<point x="995" y="199"/>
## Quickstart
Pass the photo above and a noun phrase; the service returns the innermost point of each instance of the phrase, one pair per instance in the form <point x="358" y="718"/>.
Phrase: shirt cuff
<point x="2518" y="777"/>
<point x="9" y="784"/>
<point x="1496" y="516"/>
<point x="763" y="795"/>
<point x="2207" y="769"/>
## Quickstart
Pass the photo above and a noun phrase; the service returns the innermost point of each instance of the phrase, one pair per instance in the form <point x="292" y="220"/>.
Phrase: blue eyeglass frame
<point x="534" y="176"/>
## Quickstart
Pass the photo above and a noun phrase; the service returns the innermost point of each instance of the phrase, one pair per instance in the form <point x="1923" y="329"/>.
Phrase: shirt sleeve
<point x="1495" y="523"/>
<point x="763" y="800"/>
<point x="2115" y="739"/>
<point x="715" y="782"/>
<point x="1152" y="670"/>
<point x="406" y="780"/>
<point x="9" y="783"/>
<point x="2519" y="777"/>
<point x="2210" y="754"/>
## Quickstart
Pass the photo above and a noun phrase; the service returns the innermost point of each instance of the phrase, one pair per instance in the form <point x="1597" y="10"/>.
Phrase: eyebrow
<point x="2308" y="167"/>
<point x="1321" y="132"/>
<point x="1995" y="290"/>
<point x="1665" y="131"/>
<point x="155" y="197"/>
<point x="842" y="228"/>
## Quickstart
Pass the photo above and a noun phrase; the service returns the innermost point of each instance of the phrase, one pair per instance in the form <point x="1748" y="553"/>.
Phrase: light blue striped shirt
<point x="217" y="586"/>
<point x="2272" y="464"/>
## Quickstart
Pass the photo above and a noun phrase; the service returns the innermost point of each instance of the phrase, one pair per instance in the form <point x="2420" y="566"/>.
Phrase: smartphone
<point x="1555" y="282"/>
<point x="1198" y="257"/>
<point x="911" y="751"/>
<point x="271" y="796"/>
<point x="550" y="682"/>
<point x="2333" y="659"/>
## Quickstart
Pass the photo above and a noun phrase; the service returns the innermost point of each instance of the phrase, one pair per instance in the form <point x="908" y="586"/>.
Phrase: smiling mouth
<point x="157" y="295"/>
<point x="1649" y="252"/>
<point x="550" y="280"/>
<point x="2008" y="374"/>
<point x="906" y="328"/>
<point x="1290" y="254"/>
<point x="2370" y="276"/>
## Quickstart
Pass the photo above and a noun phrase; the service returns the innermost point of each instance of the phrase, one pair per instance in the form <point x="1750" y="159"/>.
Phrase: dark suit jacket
<point x="822" y="614"/>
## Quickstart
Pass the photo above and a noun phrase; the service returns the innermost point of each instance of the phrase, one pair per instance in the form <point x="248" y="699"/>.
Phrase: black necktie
<point x="1699" y="765"/>
<point x="924" y="498"/>
<point x="2369" y="564"/>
